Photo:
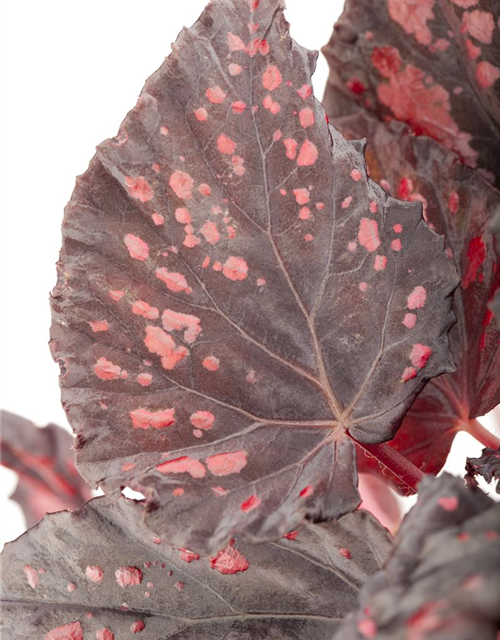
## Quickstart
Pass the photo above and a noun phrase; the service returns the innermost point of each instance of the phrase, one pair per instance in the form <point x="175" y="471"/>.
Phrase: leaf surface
<point x="443" y="579"/>
<point x="44" y="461"/>
<point x="459" y="204"/>
<point x="434" y="64"/>
<point x="100" y="572"/>
<point x="231" y="294"/>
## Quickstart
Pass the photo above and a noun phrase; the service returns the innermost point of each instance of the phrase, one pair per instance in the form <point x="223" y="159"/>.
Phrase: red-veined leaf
<point x="459" y="204"/>
<point x="442" y="580"/>
<point x="232" y="293"/>
<point x="44" y="461"/>
<point x="99" y="573"/>
<point x="434" y="64"/>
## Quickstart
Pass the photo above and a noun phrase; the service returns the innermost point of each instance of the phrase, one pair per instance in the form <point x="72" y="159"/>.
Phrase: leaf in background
<point x="44" y="461"/>
<point x="459" y="204"/>
<point x="434" y="64"/>
<point x="487" y="466"/>
<point x="442" y="580"/>
<point x="378" y="498"/>
<point x="101" y="569"/>
<point x="232" y="292"/>
<point x="495" y="303"/>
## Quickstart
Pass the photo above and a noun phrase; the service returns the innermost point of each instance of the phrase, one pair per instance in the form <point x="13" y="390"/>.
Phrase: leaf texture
<point x="434" y="64"/>
<point x="44" y="461"/>
<point x="99" y="573"/>
<point x="443" y="579"/>
<point x="232" y="292"/>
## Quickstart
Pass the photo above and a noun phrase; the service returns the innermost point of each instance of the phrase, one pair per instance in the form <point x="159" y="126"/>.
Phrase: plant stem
<point x="480" y="433"/>
<point x="395" y="462"/>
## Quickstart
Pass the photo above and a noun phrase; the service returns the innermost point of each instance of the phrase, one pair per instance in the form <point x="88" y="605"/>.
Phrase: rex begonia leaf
<point x="442" y="581"/>
<point x="487" y="466"/>
<point x="232" y="293"/>
<point x="434" y="64"/>
<point x="99" y="573"/>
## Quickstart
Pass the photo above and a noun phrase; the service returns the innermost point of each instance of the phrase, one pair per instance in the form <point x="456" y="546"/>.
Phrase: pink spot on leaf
<point x="306" y="117"/>
<point x="104" y="369"/>
<point x="271" y="79"/>
<point x="184" y="464"/>
<point x="145" y="419"/>
<point x="301" y="195"/>
<point x="216" y="95"/>
<point x="210" y="233"/>
<point x="188" y="556"/>
<point x="307" y="491"/>
<point x="175" y="281"/>
<point x="211" y="363"/>
<point x="368" y="234"/>
<point x="99" y="325"/>
<point x="291" y="148"/>
<point x="448" y="503"/>
<point x="410" y="320"/>
<point x="202" y="420"/>
<point x="71" y="631"/>
<point x="356" y="175"/>
<point x="229" y="561"/>
<point x="174" y="321"/>
<point x="235" y="268"/>
<point x="142" y="308"/>
<point x="226" y="145"/>
<point x="308" y="154"/>
<point x="94" y="574"/>
<point x="305" y="91"/>
<point x="128" y="576"/>
<point x="487" y="74"/>
<point x="31" y="576"/>
<point x="417" y="298"/>
<point x="250" y="504"/>
<point x="419" y="356"/>
<point x="224" y="464"/>
<point x="139" y="188"/>
<point x="137" y="248"/>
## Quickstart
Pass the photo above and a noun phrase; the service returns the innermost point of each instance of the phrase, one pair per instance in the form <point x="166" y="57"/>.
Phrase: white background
<point x="69" y="73"/>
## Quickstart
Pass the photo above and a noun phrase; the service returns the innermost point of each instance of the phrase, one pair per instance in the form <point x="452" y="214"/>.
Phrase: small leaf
<point x="432" y="64"/>
<point x="443" y="578"/>
<point x="487" y="466"/>
<point x="44" y="461"/>
<point x="459" y="204"/>
<point x="253" y="289"/>
<point x="100" y="569"/>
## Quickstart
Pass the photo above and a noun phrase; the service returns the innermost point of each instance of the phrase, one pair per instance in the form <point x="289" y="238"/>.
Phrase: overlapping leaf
<point x="487" y="466"/>
<point x="99" y="573"/>
<point x="459" y="204"/>
<point x="44" y="461"/>
<point x="233" y="291"/>
<point x="495" y="304"/>
<point x="443" y="579"/>
<point x="434" y="64"/>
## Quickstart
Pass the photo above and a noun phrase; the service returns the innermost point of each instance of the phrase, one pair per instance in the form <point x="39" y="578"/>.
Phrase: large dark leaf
<point x="231" y="295"/>
<point x="100" y="569"/>
<point x="459" y="204"/>
<point x="44" y="461"/>
<point x="432" y="63"/>
<point x="487" y="466"/>
<point x="443" y="579"/>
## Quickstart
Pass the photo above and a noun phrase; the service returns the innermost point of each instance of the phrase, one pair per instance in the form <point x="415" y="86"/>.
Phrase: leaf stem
<point x="480" y="433"/>
<point x="406" y="472"/>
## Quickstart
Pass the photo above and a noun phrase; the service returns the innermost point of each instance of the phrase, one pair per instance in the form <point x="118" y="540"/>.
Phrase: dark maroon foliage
<point x="76" y="571"/>
<point x="434" y="64"/>
<point x="234" y="294"/>
<point x="442" y="580"/>
<point x="487" y="466"/>
<point x="495" y="304"/>
<point x="43" y="460"/>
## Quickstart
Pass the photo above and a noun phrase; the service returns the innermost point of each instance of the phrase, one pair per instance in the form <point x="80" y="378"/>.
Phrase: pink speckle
<point x="145" y="379"/>
<point x="217" y="266"/>
<point x="70" y="587"/>
<point x="345" y="552"/>
<point x="308" y="154"/>
<point x="137" y="248"/>
<point x="277" y="135"/>
<point x="410" y="320"/>
<point x="363" y="286"/>
<point x="158" y="219"/>
<point x="374" y="206"/>
<point x="413" y="17"/>
<point x="305" y="91"/>
<point x="420" y="354"/>
<point x="104" y="369"/>
<point x="139" y="188"/>
<point x="346" y="202"/>
<point x="235" y="268"/>
<point x="238" y="107"/>
<point x="291" y="148"/>
<point x="71" y="631"/>
<point x="182" y="215"/>
<point x="396" y="245"/>
<point x="158" y="342"/>
<point x="408" y="374"/>
<point x="368" y="234"/>
<point x="178" y="492"/>
<point x="128" y="576"/>
<point x="179" y="585"/>
<point x="128" y="466"/>
<point x="306" y="117"/>
<point x="251" y="377"/>
<point x="472" y="51"/>
<point x="216" y="95"/>
<point x="211" y="363"/>
<point x="305" y="213"/>
<point x="234" y="69"/>
<point x="380" y="263"/>
<point x="307" y="491"/>
<point x="301" y="195"/>
<point x="210" y="233"/>
<point x="320" y="206"/>
<point x="417" y="298"/>
<point x="356" y="175"/>
<point x="226" y="145"/>
<point x="206" y="262"/>
<point x="355" y="85"/>
<point x="367" y="628"/>
<point x="188" y="556"/>
<point x="229" y="561"/>
<point x="202" y="420"/>
<point x="271" y="105"/>
<point x="453" y="202"/>
<point x="156" y="167"/>
<point x="308" y="237"/>
<point x="352" y="246"/>
<point x="204" y="189"/>
<point x="291" y="535"/>
<point x="142" y="308"/>
<point x="448" y="503"/>
<point x="250" y="504"/>
<point x="137" y="626"/>
<point x="116" y="295"/>
<point x="181" y="184"/>
<point x="164" y="131"/>
<point x="184" y="464"/>
<point x="145" y="419"/>
<point x="31" y="576"/>
<point x="99" y="325"/>
<point x="487" y="74"/>
<point x="175" y="281"/>
<point x="174" y="321"/>
<point x="271" y="79"/>
<point x="104" y="634"/>
<point x="201" y="114"/>
<point x="397" y="228"/>
<point x="219" y="491"/>
<point x="94" y="574"/>
<point x="261" y="282"/>
<point x="224" y="464"/>
<point x="479" y="24"/>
